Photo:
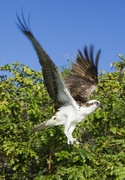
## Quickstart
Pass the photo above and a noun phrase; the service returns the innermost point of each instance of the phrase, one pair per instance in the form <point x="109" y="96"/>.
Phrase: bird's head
<point x="92" y="105"/>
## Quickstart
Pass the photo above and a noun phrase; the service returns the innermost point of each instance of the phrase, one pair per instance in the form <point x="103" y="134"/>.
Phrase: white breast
<point x="70" y="113"/>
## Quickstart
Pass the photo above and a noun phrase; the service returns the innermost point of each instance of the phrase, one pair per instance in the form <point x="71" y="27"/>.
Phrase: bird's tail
<point x="49" y="123"/>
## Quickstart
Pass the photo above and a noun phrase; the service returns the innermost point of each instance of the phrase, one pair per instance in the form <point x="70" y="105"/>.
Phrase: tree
<point x="24" y="102"/>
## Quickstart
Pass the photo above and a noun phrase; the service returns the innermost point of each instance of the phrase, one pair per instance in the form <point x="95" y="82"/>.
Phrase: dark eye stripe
<point x="89" y="104"/>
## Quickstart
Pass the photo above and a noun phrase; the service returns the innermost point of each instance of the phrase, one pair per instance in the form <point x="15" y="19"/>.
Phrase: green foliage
<point x="24" y="102"/>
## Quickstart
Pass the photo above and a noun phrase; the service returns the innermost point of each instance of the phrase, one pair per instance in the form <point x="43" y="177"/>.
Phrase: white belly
<point x="71" y="114"/>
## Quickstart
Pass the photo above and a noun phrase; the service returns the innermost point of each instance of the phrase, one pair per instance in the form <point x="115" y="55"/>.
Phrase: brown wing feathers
<point x="48" y="67"/>
<point x="83" y="78"/>
<point x="52" y="77"/>
<point x="85" y="65"/>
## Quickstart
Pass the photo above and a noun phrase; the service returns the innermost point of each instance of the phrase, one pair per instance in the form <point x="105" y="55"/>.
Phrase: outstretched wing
<point x="83" y="78"/>
<point x="52" y="77"/>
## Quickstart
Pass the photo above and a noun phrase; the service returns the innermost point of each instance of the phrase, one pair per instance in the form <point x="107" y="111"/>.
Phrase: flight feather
<point x="83" y="77"/>
<point x="52" y="77"/>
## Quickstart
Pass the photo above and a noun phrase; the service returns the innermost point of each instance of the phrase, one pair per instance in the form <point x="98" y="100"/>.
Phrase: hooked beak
<point x="101" y="106"/>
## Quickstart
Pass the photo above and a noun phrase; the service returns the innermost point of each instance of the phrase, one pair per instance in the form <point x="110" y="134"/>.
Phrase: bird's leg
<point x="69" y="128"/>
<point x="70" y="131"/>
<point x="66" y="128"/>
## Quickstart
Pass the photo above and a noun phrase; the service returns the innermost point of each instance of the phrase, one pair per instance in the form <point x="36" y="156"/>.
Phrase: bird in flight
<point x="70" y="95"/>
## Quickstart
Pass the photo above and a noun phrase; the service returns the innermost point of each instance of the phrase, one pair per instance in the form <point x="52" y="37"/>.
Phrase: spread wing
<point x="52" y="77"/>
<point x="83" y="78"/>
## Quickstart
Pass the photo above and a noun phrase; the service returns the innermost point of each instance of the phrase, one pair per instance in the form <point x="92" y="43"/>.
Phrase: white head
<point x="91" y="106"/>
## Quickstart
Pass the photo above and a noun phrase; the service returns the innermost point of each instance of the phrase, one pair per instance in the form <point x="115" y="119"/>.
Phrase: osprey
<point x="69" y="95"/>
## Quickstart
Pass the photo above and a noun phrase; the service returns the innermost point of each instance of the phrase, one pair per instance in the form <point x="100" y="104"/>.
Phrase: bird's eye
<point x="97" y="103"/>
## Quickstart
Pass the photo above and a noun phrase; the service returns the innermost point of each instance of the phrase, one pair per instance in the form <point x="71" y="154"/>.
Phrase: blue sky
<point x="62" y="27"/>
